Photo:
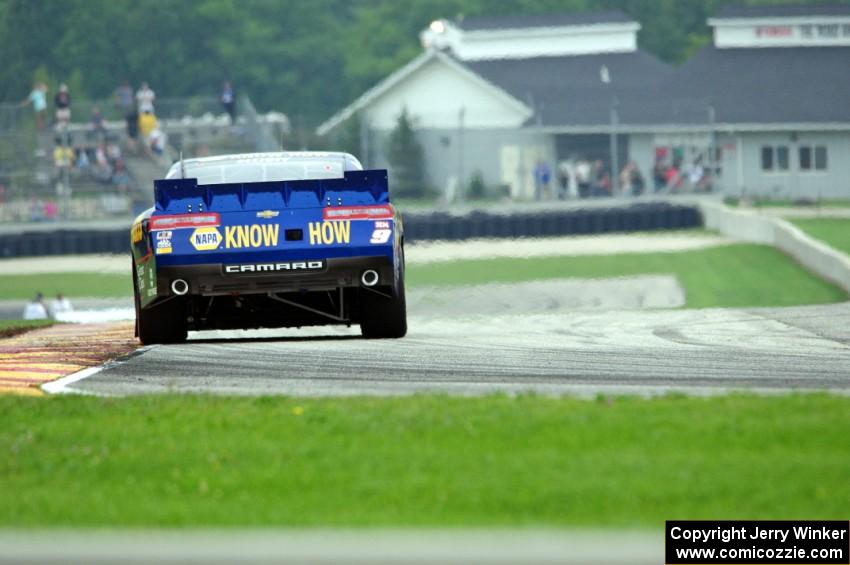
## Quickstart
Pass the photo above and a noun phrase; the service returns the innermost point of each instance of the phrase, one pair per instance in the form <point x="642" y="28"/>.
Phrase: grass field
<point x="74" y="285"/>
<point x="421" y="461"/>
<point x="734" y="275"/>
<point x="832" y="231"/>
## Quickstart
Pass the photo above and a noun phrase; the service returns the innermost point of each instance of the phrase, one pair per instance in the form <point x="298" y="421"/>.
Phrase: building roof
<point x="783" y="11"/>
<point x="409" y="69"/>
<point x="740" y="88"/>
<point x="767" y="85"/>
<point x="569" y="90"/>
<point x="491" y="23"/>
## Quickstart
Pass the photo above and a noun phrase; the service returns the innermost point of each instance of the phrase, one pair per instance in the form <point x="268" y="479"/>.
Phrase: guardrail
<point x="744" y="225"/>
<point x="418" y="227"/>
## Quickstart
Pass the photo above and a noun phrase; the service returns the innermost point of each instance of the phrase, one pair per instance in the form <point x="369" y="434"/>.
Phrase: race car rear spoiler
<point x="356" y="188"/>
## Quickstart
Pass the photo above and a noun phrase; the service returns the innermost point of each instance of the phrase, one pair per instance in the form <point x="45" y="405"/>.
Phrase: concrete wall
<point x="750" y="226"/>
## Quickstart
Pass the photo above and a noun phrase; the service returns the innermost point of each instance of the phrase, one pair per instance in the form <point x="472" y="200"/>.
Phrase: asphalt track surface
<point x="583" y="353"/>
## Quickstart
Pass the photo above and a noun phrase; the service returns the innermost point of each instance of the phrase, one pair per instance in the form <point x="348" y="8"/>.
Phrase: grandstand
<point x="34" y="188"/>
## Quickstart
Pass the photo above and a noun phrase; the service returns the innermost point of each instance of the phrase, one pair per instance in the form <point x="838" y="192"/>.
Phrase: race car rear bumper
<point x="266" y="277"/>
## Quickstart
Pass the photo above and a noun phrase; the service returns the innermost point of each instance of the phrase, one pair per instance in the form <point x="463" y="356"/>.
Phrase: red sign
<point x="774" y="31"/>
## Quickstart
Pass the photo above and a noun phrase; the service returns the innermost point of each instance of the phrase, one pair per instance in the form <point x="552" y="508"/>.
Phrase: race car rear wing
<point x="186" y="196"/>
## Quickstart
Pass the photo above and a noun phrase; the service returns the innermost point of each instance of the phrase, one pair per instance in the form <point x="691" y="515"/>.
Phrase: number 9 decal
<point x="381" y="235"/>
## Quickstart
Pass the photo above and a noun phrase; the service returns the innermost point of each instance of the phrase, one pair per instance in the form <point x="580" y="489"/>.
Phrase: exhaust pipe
<point x="369" y="278"/>
<point x="179" y="287"/>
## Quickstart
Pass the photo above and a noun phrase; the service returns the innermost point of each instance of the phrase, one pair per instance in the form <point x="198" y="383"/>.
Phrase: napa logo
<point x="328" y="233"/>
<point x="240" y="237"/>
<point x="205" y="239"/>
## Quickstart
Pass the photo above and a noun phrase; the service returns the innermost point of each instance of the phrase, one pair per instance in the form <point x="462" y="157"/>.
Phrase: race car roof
<point x="263" y="167"/>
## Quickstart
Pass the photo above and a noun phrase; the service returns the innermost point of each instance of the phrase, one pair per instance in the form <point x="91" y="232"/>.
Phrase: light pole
<point x="461" y="185"/>
<point x="614" y="117"/>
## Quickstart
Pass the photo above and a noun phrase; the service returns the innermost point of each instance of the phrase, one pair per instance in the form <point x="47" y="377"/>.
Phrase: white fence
<point x="751" y="226"/>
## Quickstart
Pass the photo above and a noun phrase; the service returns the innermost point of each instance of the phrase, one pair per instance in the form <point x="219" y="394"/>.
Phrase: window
<point x="805" y="158"/>
<point x="767" y="158"/>
<point x="774" y="158"/>
<point x="814" y="158"/>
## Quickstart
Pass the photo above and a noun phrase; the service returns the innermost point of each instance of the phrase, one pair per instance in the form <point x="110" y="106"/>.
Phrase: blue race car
<point x="269" y="240"/>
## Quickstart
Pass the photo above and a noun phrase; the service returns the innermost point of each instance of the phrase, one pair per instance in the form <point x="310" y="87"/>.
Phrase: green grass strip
<point x="74" y="285"/>
<point x="420" y="461"/>
<point x="733" y="275"/>
<point x="832" y="231"/>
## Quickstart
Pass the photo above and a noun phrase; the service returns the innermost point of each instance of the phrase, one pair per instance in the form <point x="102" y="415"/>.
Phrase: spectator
<point x="62" y="102"/>
<point x="673" y="177"/>
<point x="63" y="158"/>
<point x="637" y="180"/>
<point x="147" y="123"/>
<point x="38" y="98"/>
<point x="100" y="155"/>
<point x="156" y="142"/>
<point x="133" y="119"/>
<point x="97" y="122"/>
<point x="542" y="178"/>
<point x="124" y="99"/>
<point x="113" y="152"/>
<point x="82" y="163"/>
<point x="626" y="179"/>
<point x="60" y="305"/>
<point x="696" y="173"/>
<point x="36" y="209"/>
<point x="102" y="169"/>
<point x="35" y="309"/>
<point x="659" y="174"/>
<point x="145" y="98"/>
<point x="565" y="179"/>
<point x="601" y="180"/>
<point x="228" y="100"/>
<point x="51" y="210"/>
<point x="120" y="177"/>
<point x="583" y="171"/>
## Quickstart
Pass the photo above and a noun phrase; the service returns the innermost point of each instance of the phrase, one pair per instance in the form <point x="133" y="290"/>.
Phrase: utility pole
<point x="614" y="118"/>
<point x="712" y="147"/>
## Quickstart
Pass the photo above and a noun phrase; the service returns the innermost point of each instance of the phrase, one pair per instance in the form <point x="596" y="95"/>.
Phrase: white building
<point x="766" y="107"/>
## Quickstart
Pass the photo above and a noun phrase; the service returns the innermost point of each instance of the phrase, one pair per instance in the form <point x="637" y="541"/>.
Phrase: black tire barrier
<point x="64" y="242"/>
<point x="417" y="227"/>
<point x="638" y="217"/>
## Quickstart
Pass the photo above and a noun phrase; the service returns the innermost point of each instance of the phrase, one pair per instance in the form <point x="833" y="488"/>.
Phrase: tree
<point x="349" y="138"/>
<point x="306" y="59"/>
<point x="406" y="160"/>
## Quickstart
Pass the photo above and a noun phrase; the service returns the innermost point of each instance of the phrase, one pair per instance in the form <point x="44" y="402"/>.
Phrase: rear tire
<point x="382" y="316"/>
<point x="163" y="323"/>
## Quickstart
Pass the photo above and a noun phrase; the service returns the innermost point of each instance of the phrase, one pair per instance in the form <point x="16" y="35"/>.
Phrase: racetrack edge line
<point x="61" y="385"/>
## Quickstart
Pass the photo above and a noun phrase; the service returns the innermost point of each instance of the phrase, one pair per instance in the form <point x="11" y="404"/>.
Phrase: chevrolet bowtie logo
<point x="266" y="214"/>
